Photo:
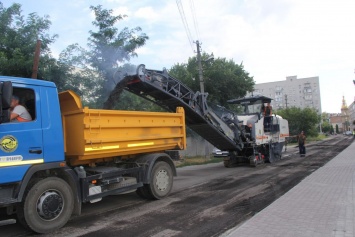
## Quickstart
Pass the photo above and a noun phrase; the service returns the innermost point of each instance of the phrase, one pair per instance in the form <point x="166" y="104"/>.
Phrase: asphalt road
<point x="206" y="200"/>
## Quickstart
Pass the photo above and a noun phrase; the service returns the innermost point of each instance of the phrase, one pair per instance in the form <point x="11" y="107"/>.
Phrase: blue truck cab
<point x="31" y="151"/>
<point x="39" y="141"/>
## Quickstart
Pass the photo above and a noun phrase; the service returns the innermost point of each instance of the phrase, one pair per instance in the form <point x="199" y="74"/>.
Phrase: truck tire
<point x="161" y="182"/>
<point x="48" y="205"/>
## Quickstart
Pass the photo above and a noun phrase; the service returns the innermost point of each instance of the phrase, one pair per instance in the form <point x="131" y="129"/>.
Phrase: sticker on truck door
<point x="8" y="143"/>
<point x="11" y="158"/>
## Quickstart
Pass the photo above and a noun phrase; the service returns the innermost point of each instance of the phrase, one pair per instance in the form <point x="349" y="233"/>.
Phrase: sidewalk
<point x="323" y="204"/>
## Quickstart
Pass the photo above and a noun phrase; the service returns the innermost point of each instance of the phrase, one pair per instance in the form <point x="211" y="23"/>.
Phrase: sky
<point x="273" y="39"/>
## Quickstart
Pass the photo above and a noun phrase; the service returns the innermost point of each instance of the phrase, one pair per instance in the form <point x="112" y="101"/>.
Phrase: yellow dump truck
<point x="69" y="154"/>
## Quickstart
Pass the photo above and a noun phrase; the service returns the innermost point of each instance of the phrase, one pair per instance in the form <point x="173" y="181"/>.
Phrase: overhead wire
<point x="184" y="22"/>
<point x="193" y="13"/>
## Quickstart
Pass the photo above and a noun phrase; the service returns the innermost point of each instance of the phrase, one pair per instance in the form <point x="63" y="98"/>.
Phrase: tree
<point x="331" y="130"/>
<point x="17" y="46"/>
<point x="18" y="40"/>
<point x="108" y="50"/>
<point x="223" y="79"/>
<point x="326" y="126"/>
<point x="336" y="128"/>
<point x="306" y="120"/>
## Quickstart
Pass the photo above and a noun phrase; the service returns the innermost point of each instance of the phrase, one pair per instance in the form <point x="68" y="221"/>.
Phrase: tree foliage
<point x="223" y="79"/>
<point x="91" y="72"/>
<point x="326" y="126"/>
<point x="306" y="120"/>
<point x="18" y="40"/>
<point x="331" y="130"/>
<point x="108" y="50"/>
<point x="17" y="45"/>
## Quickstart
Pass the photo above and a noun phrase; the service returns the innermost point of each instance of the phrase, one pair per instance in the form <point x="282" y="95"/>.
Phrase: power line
<point x="184" y="22"/>
<point x="193" y="13"/>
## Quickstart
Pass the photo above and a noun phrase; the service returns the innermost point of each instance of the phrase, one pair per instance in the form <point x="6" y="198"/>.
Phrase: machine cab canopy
<point x="251" y="105"/>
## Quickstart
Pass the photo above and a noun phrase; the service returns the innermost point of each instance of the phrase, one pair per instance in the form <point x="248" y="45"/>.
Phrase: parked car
<point x="348" y="133"/>
<point x="218" y="153"/>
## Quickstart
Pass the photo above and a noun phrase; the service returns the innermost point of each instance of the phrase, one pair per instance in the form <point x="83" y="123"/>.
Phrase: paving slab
<point x="323" y="204"/>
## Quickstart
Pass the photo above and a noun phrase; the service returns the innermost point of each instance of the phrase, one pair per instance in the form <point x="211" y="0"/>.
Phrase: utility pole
<point x="36" y="59"/>
<point x="202" y="86"/>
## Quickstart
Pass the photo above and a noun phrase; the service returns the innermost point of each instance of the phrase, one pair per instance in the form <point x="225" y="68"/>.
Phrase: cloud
<point x="148" y="14"/>
<point x="274" y="38"/>
<point x="121" y="11"/>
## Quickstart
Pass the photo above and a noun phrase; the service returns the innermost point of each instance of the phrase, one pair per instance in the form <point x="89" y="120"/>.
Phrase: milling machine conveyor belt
<point x="169" y="93"/>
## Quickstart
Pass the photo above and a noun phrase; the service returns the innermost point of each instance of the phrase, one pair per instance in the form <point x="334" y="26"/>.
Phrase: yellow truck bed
<point x="93" y="135"/>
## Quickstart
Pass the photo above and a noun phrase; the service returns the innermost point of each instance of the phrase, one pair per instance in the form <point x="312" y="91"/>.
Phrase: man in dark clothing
<point x="301" y="143"/>
<point x="267" y="117"/>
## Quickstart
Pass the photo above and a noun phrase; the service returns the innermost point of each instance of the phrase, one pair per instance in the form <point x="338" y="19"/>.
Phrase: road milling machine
<point x="245" y="135"/>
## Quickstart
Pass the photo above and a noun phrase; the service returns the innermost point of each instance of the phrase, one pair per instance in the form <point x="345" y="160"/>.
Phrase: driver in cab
<point x="18" y="112"/>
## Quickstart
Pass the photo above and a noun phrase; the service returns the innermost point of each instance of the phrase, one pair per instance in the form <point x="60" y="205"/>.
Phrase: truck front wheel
<point x="48" y="205"/>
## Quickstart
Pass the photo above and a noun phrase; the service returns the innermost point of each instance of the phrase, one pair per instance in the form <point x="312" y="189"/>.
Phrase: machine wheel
<point x="253" y="162"/>
<point x="230" y="162"/>
<point x="227" y="164"/>
<point x="47" y="206"/>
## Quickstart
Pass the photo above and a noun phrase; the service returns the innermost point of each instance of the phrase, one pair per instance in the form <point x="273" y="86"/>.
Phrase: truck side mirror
<point x="5" y="101"/>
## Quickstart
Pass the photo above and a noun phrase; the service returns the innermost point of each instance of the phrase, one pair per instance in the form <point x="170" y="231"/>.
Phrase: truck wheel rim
<point x="50" y="205"/>
<point x="162" y="180"/>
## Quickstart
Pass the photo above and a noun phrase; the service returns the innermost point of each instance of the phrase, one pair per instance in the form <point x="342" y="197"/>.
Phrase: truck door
<point x="21" y="143"/>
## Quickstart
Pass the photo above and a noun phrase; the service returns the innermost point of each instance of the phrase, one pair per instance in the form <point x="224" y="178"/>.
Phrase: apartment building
<point x="298" y="92"/>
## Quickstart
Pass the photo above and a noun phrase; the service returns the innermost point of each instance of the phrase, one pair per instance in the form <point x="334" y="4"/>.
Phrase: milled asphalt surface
<point x="323" y="204"/>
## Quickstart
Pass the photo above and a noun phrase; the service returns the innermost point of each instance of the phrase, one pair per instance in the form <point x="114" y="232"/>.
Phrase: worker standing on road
<point x="301" y="144"/>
